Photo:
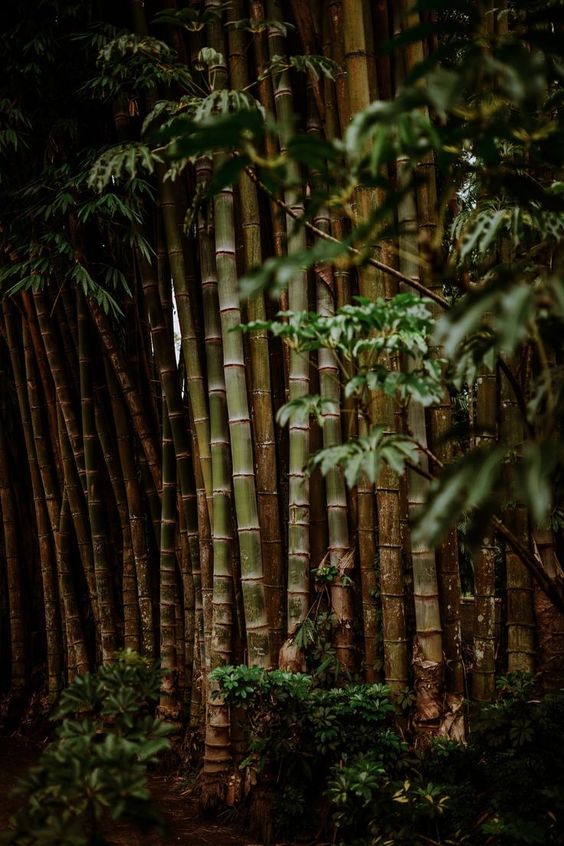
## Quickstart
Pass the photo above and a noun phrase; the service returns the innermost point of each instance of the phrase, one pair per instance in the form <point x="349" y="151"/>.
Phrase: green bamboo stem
<point x="189" y="340"/>
<point x="298" y="374"/>
<point x="222" y="528"/>
<point x="260" y="382"/>
<point x="244" y="482"/>
<point x="217" y="758"/>
<point x="266" y="98"/>
<point x="168" y="705"/>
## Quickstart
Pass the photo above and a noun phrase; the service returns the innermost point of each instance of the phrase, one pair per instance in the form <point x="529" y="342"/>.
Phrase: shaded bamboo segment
<point x="78" y="661"/>
<point x="79" y="515"/>
<point x="427" y="659"/>
<point x="165" y="360"/>
<point x="340" y="553"/>
<point x="188" y="335"/>
<point x="14" y="581"/>
<point x="483" y="670"/>
<point x="60" y="523"/>
<point x="358" y="55"/>
<point x="129" y="603"/>
<point x="45" y="379"/>
<point x="439" y="416"/>
<point x="189" y="607"/>
<point x="549" y="620"/>
<point x="103" y="581"/>
<point x="137" y="513"/>
<point x="260" y="380"/>
<point x="428" y="648"/>
<point x="47" y="564"/>
<point x="139" y="417"/>
<point x="520" y="618"/>
<point x="353" y="16"/>
<point x="341" y="557"/>
<point x="168" y="704"/>
<point x="392" y="582"/>
<point x="298" y="375"/>
<point x="63" y="390"/>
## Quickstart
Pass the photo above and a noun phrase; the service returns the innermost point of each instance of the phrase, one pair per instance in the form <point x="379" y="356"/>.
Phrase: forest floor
<point x="184" y="826"/>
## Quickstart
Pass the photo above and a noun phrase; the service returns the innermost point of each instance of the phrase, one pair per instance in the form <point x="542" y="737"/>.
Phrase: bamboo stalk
<point x="136" y="509"/>
<point x="439" y="415"/>
<point x="483" y="672"/>
<point x="129" y="590"/>
<point x="260" y="382"/>
<point x="61" y="524"/>
<point x="244" y="481"/>
<point x="520" y="618"/>
<point x="76" y="641"/>
<point x="14" y="581"/>
<point x="104" y="588"/>
<point x="340" y="554"/>
<point x="130" y="395"/>
<point x="46" y="549"/>
<point x="168" y="705"/>
<point x="63" y="390"/>
<point x="298" y="374"/>
<point x="189" y="340"/>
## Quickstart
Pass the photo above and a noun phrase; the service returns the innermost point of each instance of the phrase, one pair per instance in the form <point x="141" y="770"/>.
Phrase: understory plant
<point x="96" y="767"/>
<point x="335" y="760"/>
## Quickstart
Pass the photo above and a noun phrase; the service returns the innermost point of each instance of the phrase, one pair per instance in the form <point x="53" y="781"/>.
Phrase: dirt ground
<point x="179" y="813"/>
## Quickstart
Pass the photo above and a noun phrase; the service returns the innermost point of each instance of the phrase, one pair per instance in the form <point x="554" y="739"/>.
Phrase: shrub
<point x="336" y="755"/>
<point x="97" y="765"/>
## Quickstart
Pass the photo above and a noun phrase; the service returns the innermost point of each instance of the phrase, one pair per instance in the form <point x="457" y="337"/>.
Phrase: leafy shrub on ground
<point x="97" y="765"/>
<point x="335" y="755"/>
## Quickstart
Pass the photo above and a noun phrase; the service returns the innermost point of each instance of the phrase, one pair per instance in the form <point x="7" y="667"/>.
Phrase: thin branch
<point x="553" y="588"/>
<point x="384" y="268"/>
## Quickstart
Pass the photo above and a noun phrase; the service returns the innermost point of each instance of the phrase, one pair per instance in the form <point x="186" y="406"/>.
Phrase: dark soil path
<point x="178" y="810"/>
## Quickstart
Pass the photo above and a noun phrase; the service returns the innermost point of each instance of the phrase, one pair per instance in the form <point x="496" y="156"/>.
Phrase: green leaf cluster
<point x="96" y="768"/>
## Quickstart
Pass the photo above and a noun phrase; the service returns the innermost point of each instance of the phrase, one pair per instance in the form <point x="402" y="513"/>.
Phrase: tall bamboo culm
<point x="298" y="375"/>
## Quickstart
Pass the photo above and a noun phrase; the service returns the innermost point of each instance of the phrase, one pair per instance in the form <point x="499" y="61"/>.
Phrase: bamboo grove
<point x="159" y="159"/>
